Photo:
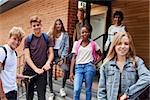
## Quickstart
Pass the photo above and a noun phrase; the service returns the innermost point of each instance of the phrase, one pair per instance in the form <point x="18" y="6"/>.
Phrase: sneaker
<point x="51" y="97"/>
<point x="62" y="92"/>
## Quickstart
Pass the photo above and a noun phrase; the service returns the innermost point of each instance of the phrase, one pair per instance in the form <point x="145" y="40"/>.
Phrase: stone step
<point x="56" y="87"/>
<point x="69" y="90"/>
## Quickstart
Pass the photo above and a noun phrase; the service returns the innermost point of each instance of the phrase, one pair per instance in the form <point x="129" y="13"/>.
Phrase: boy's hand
<point x="71" y="77"/>
<point x="2" y="94"/>
<point x="46" y="67"/>
<point x="39" y="71"/>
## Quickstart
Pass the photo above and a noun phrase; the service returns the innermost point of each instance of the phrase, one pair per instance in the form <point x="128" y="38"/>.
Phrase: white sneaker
<point x="62" y="92"/>
<point x="51" y="97"/>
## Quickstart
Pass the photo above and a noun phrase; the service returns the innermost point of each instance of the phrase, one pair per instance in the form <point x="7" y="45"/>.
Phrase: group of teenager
<point x="122" y="75"/>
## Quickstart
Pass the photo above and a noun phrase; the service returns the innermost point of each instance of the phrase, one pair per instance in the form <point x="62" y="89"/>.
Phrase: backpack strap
<point x="5" y="56"/>
<point x="44" y="35"/>
<point x="30" y="38"/>
<point x="78" y="45"/>
<point x="93" y="45"/>
<point x="16" y="53"/>
<point x="93" y="50"/>
<point x="45" y="38"/>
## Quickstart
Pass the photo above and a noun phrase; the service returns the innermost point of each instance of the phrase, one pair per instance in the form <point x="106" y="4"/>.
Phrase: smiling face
<point x="36" y="27"/>
<point x="58" y="25"/>
<point x="80" y="15"/>
<point x="84" y="33"/>
<point x="14" y="41"/>
<point x="117" y="19"/>
<point x="122" y="48"/>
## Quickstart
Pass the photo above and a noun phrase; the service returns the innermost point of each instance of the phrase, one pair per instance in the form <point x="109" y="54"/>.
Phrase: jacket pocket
<point x="132" y="75"/>
<point x="110" y="76"/>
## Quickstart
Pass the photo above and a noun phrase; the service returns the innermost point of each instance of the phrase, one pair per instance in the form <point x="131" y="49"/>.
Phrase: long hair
<point x="62" y="28"/>
<point x="112" y="53"/>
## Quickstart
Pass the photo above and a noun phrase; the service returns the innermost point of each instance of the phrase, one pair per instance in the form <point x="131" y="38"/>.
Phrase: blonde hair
<point x="17" y="31"/>
<point x="112" y="53"/>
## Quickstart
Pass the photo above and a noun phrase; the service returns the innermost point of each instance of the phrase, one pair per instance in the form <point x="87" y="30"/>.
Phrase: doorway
<point x="98" y="22"/>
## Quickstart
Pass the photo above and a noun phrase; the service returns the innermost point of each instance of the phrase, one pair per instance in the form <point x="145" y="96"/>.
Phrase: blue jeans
<point x="86" y="72"/>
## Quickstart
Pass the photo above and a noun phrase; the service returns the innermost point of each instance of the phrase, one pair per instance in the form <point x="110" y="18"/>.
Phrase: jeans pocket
<point x="78" y="69"/>
<point x="91" y="67"/>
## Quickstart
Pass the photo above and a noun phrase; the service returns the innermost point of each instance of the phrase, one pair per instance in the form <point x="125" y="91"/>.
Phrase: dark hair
<point x="120" y="13"/>
<point x="87" y="27"/>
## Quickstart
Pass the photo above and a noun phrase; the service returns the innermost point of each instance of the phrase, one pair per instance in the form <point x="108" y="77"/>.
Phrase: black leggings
<point x="65" y="77"/>
<point x="50" y="79"/>
<point x="39" y="82"/>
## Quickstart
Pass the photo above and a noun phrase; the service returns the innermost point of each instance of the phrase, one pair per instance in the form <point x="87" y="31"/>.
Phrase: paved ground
<point x="57" y="86"/>
<point x="69" y="91"/>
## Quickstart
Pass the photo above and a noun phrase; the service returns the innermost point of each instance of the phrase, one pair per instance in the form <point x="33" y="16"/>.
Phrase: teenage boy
<point x="82" y="21"/>
<point x="8" y="65"/>
<point x="38" y="56"/>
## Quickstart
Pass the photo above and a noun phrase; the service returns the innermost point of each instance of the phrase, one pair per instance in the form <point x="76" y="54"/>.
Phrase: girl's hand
<point x="124" y="97"/>
<point x="71" y="77"/>
<point x="60" y="62"/>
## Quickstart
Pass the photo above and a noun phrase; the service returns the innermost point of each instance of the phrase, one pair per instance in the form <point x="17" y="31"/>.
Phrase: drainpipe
<point x="88" y="11"/>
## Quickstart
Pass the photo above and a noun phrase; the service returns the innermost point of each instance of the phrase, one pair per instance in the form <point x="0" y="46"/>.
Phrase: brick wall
<point x="136" y="19"/>
<point x="47" y="10"/>
<point x="72" y="12"/>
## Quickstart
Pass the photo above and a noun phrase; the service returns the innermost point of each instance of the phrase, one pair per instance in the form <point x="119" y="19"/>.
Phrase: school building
<point x="99" y="12"/>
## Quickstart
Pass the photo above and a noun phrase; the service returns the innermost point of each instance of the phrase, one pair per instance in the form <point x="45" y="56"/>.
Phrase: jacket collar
<point x="128" y="63"/>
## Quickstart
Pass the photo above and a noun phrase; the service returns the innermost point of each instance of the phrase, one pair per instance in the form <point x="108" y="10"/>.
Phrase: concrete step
<point x="56" y="87"/>
<point x="69" y="90"/>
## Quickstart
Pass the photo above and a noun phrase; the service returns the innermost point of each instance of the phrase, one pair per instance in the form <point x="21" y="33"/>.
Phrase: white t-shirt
<point x="111" y="32"/>
<point x="84" y="53"/>
<point x="58" y="41"/>
<point x="8" y="75"/>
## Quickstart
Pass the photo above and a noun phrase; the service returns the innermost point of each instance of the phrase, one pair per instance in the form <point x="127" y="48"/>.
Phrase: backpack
<point x="5" y="56"/>
<point x="94" y="54"/>
<point x="44" y="35"/>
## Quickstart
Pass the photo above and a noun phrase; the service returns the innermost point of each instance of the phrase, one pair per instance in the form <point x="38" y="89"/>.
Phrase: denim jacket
<point x="64" y="45"/>
<point x="133" y="80"/>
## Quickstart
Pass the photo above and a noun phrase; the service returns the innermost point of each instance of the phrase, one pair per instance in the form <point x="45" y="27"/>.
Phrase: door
<point x="98" y="22"/>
